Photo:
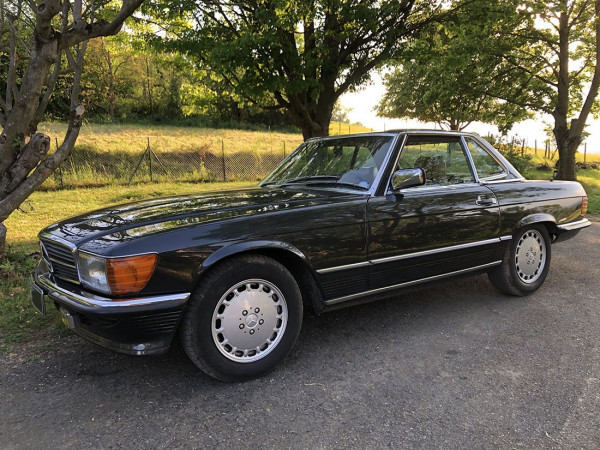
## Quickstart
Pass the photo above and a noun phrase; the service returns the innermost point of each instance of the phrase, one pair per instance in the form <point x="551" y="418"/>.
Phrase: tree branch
<point x="45" y="12"/>
<point x="577" y="125"/>
<point x="96" y="29"/>
<point x="45" y="168"/>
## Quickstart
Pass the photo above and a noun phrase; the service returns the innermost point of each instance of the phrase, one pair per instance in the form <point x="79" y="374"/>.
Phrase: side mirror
<point x="405" y="178"/>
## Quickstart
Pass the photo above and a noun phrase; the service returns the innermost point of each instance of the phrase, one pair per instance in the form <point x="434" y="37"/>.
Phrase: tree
<point x="304" y="54"/>
<point x="58" y="34"/>
<point x="432" y="77"/>
<point x="549" y="56"/>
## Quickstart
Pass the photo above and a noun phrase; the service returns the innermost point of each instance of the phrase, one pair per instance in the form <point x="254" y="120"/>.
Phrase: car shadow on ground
<point x="326" y="342"/>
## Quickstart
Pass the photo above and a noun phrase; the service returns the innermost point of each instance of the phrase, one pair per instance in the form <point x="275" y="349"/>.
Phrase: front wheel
<point x="525" y="264"/>
<point x="243" y="318"/>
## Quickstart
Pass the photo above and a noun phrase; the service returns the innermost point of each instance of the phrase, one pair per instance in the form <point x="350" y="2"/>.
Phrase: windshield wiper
<point x="309" y="178"/>
<point x="337" y="183"/>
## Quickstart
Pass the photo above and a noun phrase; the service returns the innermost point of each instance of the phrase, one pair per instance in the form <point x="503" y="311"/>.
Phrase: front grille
<point x="61" y="260"/>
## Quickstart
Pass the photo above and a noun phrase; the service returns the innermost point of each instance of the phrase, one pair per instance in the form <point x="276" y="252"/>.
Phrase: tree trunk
<point x="313" y="120"/>
<point x="315" y="129"/>
<point x="2" y="240"/>
<point x="567" y="147"/>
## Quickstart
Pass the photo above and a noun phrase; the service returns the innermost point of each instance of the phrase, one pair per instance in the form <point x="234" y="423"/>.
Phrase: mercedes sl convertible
<point x="342" y="220"/>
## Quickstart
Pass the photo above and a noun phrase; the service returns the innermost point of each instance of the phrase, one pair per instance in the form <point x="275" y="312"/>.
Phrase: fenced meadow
<point x="89" y="167"/>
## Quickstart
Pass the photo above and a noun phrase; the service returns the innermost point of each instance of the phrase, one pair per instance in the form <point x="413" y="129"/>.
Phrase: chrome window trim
<point x="379" y="177"/>
<point x="444" y="187"/>
<point x="512" y="180"/>
<point x="414" y="255"/>
<point x="337" y="300"/>
<point x="387" y="187"/>
<point x="494" y="177"/>
<point x="466" y="150"/>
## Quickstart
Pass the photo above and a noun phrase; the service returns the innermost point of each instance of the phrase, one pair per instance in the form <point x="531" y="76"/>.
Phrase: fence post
<point x="284" y="149"/>
<point x="585" y="153"/>
<point x="523" y="147"/>
<point x="535" y="147"/>
<point x="223" y="156"/>
<point x="149" y="160"/>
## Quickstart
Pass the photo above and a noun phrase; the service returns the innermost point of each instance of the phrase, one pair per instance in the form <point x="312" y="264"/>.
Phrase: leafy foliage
<point x="433" y="78"/>
<point x="294" y="55"/>
<point x="547" y="55"/>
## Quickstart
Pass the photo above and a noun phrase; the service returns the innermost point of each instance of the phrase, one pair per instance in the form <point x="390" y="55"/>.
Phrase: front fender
<point x="246" y="246"/>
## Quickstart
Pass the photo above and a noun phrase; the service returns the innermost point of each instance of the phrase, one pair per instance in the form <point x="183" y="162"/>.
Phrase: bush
<point x="521" y="162"/>
<point x="543" y="166"/>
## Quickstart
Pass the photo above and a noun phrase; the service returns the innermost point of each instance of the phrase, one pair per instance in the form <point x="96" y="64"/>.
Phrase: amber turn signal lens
<point x="584" y="203"/>
<point x="131" y="274"/>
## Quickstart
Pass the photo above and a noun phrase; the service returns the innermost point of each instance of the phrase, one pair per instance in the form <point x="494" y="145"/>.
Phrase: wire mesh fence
<point x="90" y="167"/>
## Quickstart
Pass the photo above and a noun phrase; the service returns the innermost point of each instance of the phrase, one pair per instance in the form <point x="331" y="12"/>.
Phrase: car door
<point x="447" y="226"/>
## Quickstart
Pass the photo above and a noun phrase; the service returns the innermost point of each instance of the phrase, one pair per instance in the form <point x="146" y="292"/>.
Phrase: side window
<point x="442" y="157"/>
<point x="485" y="164"/>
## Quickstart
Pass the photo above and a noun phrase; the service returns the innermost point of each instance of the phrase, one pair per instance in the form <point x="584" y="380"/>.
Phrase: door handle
<point x="482" y="200"/>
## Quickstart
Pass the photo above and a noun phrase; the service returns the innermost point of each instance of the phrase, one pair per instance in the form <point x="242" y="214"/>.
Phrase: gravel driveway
<point x="457" y="365"/>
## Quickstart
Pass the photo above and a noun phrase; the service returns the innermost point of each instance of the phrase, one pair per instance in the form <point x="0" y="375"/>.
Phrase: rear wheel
<point x="243" y="318"/>
<point x="526" y="262"/>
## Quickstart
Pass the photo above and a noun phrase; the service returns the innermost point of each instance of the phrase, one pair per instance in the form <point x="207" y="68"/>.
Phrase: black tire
<point x="525" y="264"/>
<point x="243" y="318"/>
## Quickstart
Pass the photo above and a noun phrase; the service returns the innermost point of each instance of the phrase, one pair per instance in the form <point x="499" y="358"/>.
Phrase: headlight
<point x="117" y="276"/>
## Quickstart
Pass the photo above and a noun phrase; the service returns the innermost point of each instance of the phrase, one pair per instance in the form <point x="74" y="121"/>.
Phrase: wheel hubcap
<point x="530" y="256"/>
<point x="249" y="320"/>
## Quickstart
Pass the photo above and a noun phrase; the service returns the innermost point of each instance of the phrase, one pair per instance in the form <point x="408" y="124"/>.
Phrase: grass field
<point x="134" y="138"/>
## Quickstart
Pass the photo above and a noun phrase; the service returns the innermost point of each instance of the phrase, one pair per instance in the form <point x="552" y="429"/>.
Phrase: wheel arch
<point x="544" y="219"/>
<point x="289" y="256"/>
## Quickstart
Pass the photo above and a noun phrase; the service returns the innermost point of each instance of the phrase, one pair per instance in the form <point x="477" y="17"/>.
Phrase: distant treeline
<point x="125" y="81"/>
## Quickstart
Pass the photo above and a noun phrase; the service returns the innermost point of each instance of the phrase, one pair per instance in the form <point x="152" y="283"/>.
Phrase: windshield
<point x="345" y="162"/>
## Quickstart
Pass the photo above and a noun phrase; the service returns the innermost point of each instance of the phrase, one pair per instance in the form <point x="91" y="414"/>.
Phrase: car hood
<point x="152" y="216"/>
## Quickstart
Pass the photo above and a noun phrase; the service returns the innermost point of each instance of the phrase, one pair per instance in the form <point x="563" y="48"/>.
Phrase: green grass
<point x="18" y="321"/>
